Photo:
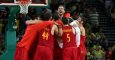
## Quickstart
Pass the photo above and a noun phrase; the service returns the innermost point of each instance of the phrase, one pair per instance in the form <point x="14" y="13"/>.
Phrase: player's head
<point x="66" y="20"/>
<point x="46" y="10"/>
<point x="61" y="9"/>
<point x="82" y="21"/>
<point x="79" y="19"/>
<point x="55" y="16"/>
<point x="75" y="15"/>
<point x="46" y="16"/>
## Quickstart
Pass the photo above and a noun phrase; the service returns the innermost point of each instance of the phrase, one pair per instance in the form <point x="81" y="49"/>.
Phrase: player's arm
<point x="55" y="32"/>
<point x="77" y="31"/>
<point x="58" y="36"/>
<point x="54" y="29"/>
<point x="73" y="29"/>
<point x="28" y="22"/>
<point x="74" y="23"/>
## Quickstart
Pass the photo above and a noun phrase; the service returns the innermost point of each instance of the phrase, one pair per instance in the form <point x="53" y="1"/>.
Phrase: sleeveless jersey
<point x="68" y="37"/>
<point x="82" y="39"/>
<point x="60" y="23"/>
<point x="46" y="38"/>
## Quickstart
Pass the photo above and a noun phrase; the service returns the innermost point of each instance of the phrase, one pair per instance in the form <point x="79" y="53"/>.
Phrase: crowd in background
<point x="96" y="42"/>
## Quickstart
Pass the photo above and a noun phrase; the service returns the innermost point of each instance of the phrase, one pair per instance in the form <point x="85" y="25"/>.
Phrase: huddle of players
<point x="63" y="33"/>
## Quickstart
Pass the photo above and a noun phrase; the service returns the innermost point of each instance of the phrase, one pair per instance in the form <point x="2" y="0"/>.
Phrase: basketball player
<point x="75" y="24"/>
<point x="82" y="41"/>
<point x="27" y="45"/>
<point x="46" y="41"/>
<point x="69" y="41"/>
<point x="57" y="45"/>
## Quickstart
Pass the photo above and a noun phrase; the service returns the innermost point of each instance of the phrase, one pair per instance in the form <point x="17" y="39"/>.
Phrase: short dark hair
<point x="46" y="16"/>
<point x="66" y="20"/>
<point x="55" y="16"/>
<point x="61" y="4"/>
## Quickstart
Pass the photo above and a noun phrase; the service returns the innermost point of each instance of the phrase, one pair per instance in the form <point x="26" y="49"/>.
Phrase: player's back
<point x="68" y="37"/>
<point x="46" y="38"/>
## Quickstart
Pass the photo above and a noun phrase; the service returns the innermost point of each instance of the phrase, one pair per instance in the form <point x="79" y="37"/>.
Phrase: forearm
<point x="31" y="22"/>
<point x="78" y="39"/>
<point x="77" y="36"/>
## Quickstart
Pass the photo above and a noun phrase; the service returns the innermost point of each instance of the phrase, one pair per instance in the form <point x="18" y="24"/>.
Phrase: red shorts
<point x="18" y="53"/>
<point x="21" y="54"/>
<point x="70" y="53"/>
<point x="43" y="53"/>
<point x="57" y="54"/>
<point x="82" y="50"/>
<point x="57" y="51"/>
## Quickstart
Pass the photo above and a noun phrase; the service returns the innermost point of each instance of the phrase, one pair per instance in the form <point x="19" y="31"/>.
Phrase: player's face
<point x="79" y="20"/>
<point x="61" y="10"/>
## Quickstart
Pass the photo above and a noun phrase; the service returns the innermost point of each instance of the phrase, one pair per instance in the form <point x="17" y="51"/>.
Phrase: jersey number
<point x="68" y="37"/>
<point x="45" y="35"/>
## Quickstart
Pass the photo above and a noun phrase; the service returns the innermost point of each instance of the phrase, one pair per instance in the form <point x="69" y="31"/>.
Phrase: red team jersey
<point x="46" y="38"/>
<point x="68" y="37"/>
<point x="60" y="23"/>
<point x="26" y="48"/>
<point x="45" y="45"/>
<point x="69" y="44"/>
<point x="82" y="47"/>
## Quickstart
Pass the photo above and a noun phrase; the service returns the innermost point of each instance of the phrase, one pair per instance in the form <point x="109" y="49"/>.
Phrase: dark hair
<point x="55" y="16"/>
<point x="46" y="10"/>
<point x="61" y="4"/>
<point x="75" y="15"/>
<point x="46" y="16"/>
<point x="66" y="20"/>
<point x="36" y="16"/>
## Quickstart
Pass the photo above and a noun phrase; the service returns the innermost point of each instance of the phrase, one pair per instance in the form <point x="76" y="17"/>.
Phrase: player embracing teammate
<point x="55" y="39"/>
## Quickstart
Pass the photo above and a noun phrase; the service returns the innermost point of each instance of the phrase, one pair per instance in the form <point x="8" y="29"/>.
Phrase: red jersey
<point x="26" y="48"/>
<point x="82" y="39"/>
<point x="46" y="38"/>
<point x="68" y="37"/>
<point x="60" y="23"/>
<point x="82" y="47"/>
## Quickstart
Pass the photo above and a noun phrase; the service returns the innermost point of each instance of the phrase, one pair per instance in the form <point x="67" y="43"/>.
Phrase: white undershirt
<point x="74" y="24"/>
<point x="60" y="44"/>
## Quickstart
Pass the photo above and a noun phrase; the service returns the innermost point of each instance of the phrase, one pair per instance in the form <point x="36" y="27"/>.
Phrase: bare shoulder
<point x="82" y="28"/>
<point x="54" y="26"/>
